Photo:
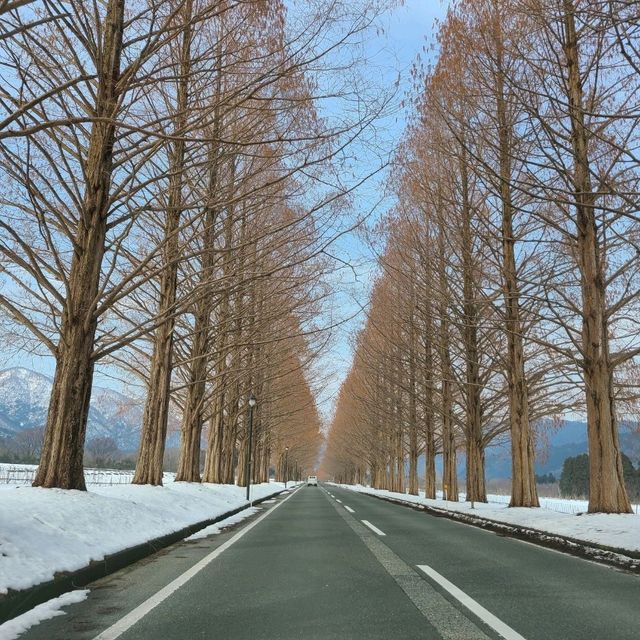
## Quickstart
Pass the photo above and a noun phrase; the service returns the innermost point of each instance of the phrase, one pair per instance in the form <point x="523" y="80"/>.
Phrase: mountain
<point x="24" y="400"/>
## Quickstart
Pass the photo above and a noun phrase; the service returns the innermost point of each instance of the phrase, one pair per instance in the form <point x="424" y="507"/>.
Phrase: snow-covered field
<point x="621" y="531"/>
<point x="562" y="505"/>
<point x="44" y="531"/>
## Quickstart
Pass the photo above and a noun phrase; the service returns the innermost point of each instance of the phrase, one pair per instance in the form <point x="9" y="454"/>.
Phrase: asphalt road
<point x="327" y="563"/>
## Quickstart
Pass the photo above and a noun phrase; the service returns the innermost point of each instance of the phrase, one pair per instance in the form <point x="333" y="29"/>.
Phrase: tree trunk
<point x="413" y="414"/>
<point x="450" y="473"/>
<point x="607" y="492"/>
<point x="230" y="452"/>
<point x="524" y="492"/>
<point x="213" y="461"/>
<point x="61" y="461"/>
<point x="192" y="421"/>
<point x="156" y="412"/>
<point x="473" y="409"/>
<point x="429" y="426"/>
<point x="191" y="431"/>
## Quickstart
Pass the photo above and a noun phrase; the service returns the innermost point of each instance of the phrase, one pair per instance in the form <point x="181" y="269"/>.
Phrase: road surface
<point x="326" y="563"/>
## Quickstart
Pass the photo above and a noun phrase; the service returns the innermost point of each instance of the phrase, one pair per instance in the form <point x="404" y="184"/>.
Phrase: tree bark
<point x="156" y="411"/>
<point x="413" y="414"/>
<point x="607" y="492"/>
<point x="524" y="492"/>
<point x="192" y="421"/>
<point x="450" y="472"/>
<point x="429" y="426"/>
<point x="475" y="483"/>
<point x="61" y="462"/>
<point x="191" y="432"/>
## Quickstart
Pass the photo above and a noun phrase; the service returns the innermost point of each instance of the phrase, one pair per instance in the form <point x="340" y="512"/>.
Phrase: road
<point x="326" y="563"/>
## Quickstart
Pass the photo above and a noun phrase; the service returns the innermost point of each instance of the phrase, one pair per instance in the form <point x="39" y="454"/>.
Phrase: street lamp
<point x="286" y="465"/>
<point x="247" y="477"/>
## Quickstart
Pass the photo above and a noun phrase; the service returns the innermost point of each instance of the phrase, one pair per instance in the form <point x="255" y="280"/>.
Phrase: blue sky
<point x="407" y="32"/>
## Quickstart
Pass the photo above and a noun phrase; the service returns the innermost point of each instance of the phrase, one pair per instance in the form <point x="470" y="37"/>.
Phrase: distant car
<point x="312" y="481"/>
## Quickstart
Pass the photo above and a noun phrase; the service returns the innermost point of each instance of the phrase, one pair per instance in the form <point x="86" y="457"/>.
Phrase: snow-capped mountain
<point x="24" y="400"/>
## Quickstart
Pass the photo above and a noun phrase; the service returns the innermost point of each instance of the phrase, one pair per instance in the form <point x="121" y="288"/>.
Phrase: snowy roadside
<point x="47" y="531"/>
<point x="615" y="531"/>
<point x="14" y="628"/>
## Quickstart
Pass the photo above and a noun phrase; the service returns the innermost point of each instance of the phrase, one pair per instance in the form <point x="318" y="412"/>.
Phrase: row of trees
<point x="169" y="188"/>
<point x="509" y="280"/>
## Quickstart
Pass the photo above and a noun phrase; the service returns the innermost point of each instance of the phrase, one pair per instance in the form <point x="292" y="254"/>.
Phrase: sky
<point x="405" y="33"/>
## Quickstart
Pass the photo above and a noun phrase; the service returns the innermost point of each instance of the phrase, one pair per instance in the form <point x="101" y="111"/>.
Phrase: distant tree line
<point x="25" y="447"/>
<point x="574" y="480"/>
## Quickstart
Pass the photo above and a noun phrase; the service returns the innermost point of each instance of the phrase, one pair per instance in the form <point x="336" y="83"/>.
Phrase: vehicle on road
<point x="312" y="481"/>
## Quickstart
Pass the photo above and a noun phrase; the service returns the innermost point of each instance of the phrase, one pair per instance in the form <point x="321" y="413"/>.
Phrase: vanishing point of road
<point x="323" y="563"/>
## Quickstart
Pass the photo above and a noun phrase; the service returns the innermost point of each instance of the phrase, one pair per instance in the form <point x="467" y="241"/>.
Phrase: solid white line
<point x="486" y="616"/>
<point x="124" y="624"/>
<point x="340" y="501"/>
<point x="373" y="528"/>
<point x="349" y="509"/>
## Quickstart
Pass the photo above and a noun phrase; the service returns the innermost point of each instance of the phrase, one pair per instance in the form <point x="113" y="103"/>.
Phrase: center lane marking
<point x="340" y="501"/>
<point x="448" y="619"/>
<point x="486" y="616"/>
<point x="373" y="528"/>
<point x="349" y="509"/>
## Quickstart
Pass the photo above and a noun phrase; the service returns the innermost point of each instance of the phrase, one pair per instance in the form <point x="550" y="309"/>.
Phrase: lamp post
<point x="286" y="465"/>
<point x="247" y="477"/>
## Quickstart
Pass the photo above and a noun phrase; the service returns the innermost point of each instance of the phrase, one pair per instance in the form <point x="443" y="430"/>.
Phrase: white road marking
<point x="503" y="629"/>
<point x="340" y="501"/>
<point x="349" y="509"/>
<point x="124" y="624"/>
<point x="373" y="528"/>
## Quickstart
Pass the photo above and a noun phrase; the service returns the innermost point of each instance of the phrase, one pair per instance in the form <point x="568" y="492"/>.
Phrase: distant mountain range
<point x="24" y="401"/>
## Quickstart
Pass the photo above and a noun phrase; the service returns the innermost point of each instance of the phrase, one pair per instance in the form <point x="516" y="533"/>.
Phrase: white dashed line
<point x="340" y="501"/>
<point x="486" y="616"/>
<point x="349" y="509"/>
<point x="373" y="528"/>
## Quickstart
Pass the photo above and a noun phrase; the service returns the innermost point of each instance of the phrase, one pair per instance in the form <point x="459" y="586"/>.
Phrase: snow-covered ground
<point x="24" y="474"/>
<point x="620" y="531"/>
<point x="14" y="628"/>
<point x="562" y="505"/>
<point x="44" y="531"/>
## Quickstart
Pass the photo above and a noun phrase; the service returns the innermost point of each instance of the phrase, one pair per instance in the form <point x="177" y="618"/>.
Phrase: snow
<point x="50" y="609"/>
<point x="11" y="473"/>
<point x="618" y="531"/>
<point x="45" y="531"/>
<point x="214" y="529"/>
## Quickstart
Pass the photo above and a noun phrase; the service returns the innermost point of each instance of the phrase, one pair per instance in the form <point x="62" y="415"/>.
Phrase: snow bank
<point x="44" y="531"/>
<point x="216" y="528"/>
<point x="619" y="531"/>
<point x="11" y="629"/>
